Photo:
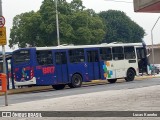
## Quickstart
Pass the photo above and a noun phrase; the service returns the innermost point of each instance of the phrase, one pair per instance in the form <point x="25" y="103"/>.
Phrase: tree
<point x="77" y="25"/>
<point x="120" y="28"/>
<point x="77" y="5"/>
<point x="24" y="30"/>
<point x="48" y="25"/>
<point x="87" y="29"/>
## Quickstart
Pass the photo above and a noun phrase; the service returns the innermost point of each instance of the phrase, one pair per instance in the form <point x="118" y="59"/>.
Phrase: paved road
<point x="33" y="96"/>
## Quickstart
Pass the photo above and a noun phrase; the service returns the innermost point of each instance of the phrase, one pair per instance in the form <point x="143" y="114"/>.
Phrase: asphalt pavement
<point x="138" y="95"/>
<point x="138" y="99"/>
<point x="89" y="88"/>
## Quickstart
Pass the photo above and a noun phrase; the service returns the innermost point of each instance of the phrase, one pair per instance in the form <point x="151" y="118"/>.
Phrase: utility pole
<point x="152" y="41"/>
<point x="57" y="24"/>
<point x="4" y="59"/>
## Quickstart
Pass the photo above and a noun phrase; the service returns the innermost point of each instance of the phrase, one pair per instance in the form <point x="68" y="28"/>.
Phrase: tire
<point x="130" y="75"/>
<point x="76" y="81"/>
<point x="59" y="87"/>
<point x="112" y="80"/>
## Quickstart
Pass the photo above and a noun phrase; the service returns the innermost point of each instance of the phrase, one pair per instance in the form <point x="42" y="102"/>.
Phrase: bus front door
<point x="61" y="67"/>
<point x="93" y="64"/>
<point x="142" y="60"/>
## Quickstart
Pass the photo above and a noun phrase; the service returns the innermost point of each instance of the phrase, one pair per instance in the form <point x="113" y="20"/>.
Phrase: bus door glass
<point x="45" y="69"/>
<point x="93" y="64"/>
<point x="61" y="67"/>
<point x="22" y="65"/>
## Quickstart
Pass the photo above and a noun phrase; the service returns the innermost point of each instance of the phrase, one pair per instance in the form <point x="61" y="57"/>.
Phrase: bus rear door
<point x="93" y="64"/>
<point x="61" y="67"/>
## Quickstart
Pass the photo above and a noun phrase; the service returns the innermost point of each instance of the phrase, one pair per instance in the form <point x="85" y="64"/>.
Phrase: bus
<point x="71" y="65"/>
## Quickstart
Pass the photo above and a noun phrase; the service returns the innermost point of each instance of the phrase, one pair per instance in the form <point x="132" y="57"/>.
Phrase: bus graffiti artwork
<point x="71" y="65"/>
<point x="24" y="73"/>
<point x="108" y="73"/>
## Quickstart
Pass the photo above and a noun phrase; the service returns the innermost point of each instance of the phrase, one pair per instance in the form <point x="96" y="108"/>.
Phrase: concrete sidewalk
<point x="140" y="99"/>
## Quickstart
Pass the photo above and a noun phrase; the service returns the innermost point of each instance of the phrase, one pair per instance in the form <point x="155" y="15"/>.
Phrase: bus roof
<point x="89" y="46"/>
<point x="85" y="46"/>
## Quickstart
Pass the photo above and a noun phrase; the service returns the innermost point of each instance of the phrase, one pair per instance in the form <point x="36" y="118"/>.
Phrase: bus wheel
<point x="76" y="81"/>
<point x="130" y="75"/>
<point x="59" y="87"/>
<point x="112" y="80"/>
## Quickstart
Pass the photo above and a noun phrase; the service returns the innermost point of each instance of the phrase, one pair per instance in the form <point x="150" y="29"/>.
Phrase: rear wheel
<point x="130" y="75"/>
<point x="112" y="80"/>
<point x="76" y="81"/>
<point x="59" y="87"/>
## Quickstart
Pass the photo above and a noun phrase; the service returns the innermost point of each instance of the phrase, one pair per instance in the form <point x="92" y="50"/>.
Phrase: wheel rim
<point x="77" y="80"/>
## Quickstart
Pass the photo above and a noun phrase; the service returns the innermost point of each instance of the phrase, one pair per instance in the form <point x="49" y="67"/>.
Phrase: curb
<point x="94" y="82"/>
<point x="146" y="77"/>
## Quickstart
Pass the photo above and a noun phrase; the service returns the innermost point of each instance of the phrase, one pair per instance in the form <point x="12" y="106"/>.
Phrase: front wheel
<point x="112" y="80"/>
<point x="76" y="81"/>
<point x="130" y="75"/>
<point x="59" y="87"/>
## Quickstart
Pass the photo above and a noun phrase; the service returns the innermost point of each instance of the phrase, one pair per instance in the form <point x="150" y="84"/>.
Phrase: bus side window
<point x="105" y="54"/>
<point x="118" y="53"/>
<point x="44" y="57"/>
<point x="129" y="52"/>
<point x="76" y="55"/>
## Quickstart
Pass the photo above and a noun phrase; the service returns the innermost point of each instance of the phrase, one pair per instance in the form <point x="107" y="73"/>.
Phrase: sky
<point x="11" y="8"/>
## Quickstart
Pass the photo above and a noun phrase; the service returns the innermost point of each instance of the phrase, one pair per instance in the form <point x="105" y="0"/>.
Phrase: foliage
<point x="120" y="28"/>
<point x="24" y="29"/>
<point x="77" y="25"/>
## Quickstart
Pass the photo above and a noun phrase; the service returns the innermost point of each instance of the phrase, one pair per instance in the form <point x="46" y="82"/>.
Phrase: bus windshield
<point x="21" y="56"/>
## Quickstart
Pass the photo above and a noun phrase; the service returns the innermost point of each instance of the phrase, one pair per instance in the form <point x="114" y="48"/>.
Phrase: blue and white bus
<point x="71" y="65"/>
